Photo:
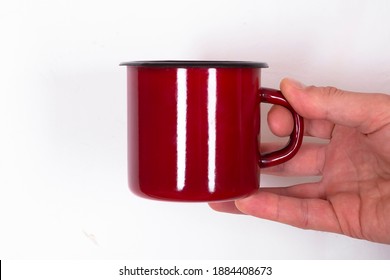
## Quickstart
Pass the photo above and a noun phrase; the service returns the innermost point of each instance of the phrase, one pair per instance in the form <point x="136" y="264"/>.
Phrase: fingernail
<point x="295" y="84"/>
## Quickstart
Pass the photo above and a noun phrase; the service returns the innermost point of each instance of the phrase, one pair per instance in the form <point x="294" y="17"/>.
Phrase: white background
<point x="63" y="176"/>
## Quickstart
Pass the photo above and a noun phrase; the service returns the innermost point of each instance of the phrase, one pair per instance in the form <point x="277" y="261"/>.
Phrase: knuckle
<point x="305" y="214"/>
<point x="331" y="91"/>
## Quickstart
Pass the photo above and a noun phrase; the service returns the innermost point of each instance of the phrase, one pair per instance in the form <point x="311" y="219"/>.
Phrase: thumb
<point x="364" y="111"/>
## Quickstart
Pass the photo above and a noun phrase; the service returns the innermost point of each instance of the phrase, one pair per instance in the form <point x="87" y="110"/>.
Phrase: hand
<point x="353" y="195"/>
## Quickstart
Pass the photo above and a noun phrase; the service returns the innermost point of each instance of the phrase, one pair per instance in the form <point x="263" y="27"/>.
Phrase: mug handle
<point x="276" y="97"/>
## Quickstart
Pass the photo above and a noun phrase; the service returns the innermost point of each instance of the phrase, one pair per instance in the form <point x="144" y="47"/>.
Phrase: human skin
<point x="353" y="195"/>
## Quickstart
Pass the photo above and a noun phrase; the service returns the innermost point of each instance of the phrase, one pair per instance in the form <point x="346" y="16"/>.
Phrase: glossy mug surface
<point x="193" y="129"/>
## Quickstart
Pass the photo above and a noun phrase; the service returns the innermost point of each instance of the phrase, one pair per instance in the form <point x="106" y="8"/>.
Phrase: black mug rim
<point x="196" y="64"/>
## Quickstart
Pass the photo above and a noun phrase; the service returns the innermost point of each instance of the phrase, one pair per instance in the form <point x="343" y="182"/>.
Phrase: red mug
<point x="193" y="129"/>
